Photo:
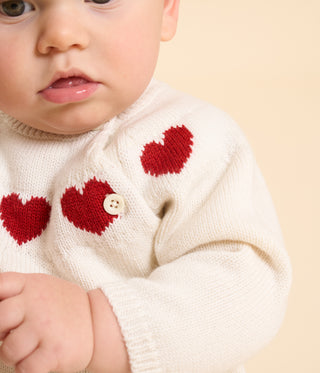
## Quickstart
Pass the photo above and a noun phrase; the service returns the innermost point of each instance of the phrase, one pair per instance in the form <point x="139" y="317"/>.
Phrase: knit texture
<point x="193" y="264"/>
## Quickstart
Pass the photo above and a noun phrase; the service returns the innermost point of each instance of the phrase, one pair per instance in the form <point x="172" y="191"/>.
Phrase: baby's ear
<point x="170" y="19"/>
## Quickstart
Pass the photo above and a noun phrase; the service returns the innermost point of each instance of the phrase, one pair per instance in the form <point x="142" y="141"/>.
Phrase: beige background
<point x="259" y="60"/>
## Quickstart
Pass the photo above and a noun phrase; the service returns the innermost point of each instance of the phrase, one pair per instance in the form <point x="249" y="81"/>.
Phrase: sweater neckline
<point x="25" y="130"/>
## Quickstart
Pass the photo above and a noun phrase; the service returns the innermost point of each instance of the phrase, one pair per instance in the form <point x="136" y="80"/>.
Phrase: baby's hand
<point x="45" y="324"/>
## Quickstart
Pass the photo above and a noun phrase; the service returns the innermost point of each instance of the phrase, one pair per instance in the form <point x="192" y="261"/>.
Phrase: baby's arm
<point x="219" y="291"/>
<point x="48" y="324"/>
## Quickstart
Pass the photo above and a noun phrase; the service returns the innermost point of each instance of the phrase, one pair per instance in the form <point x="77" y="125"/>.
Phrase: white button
<point x="113" y="204"/>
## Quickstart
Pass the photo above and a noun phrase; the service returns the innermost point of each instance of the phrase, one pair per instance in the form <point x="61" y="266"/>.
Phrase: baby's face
<point x="67" y="66"/>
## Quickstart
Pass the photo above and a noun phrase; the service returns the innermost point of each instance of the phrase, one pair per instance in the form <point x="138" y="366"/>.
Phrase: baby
<point x="136" y="231"/>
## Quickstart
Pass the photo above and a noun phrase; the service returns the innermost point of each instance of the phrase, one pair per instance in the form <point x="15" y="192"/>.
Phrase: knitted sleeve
<point x="219" y="292"/>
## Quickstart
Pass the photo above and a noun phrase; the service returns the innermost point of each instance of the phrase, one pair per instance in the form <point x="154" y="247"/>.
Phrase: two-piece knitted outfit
<point x="165" y="210"/>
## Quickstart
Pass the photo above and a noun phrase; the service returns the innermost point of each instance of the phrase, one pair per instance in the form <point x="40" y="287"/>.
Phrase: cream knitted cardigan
<point x="193" y="264"/>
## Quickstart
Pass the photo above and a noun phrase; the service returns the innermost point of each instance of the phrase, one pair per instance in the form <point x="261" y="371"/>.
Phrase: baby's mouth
<point x="73" y="81"/>
<point x="69" y="88"/>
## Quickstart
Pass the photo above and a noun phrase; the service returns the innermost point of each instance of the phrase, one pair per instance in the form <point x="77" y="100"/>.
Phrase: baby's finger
<point x="18" y="344"/>
<point x="40" y="361"/>
<point x="11" y="314"/>
<point x="11" y="284"/>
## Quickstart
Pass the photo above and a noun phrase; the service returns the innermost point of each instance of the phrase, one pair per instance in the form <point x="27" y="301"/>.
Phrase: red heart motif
<point x="169" y="158"/>
<point x="24" y="221"/>
<point x="85" y="210"/>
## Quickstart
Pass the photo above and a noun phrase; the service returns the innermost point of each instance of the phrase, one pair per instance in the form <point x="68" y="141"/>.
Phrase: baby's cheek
<point x="18" y="76"/>
<point x="11" y="64"/>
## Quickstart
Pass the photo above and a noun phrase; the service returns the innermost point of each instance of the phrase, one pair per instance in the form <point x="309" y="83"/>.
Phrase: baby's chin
<point x="74" y="118"/>
<point x="72" y="125"/>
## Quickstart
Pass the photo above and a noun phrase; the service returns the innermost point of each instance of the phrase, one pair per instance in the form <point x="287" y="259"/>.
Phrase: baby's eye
<point x="15" y="8"/>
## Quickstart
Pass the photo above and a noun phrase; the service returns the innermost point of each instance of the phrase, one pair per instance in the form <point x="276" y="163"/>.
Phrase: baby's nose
<point x="61" y="30"/>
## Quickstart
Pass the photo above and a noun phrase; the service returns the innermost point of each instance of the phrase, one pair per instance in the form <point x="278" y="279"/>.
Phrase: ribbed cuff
<point x="135" y="327"/>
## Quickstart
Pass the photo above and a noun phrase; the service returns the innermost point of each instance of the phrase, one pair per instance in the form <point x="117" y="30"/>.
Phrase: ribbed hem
<point x="135" y="326"/>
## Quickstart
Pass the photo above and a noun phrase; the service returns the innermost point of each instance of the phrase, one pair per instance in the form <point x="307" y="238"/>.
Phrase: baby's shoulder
<point x="170" y="133"/>
<point x="171" y="114"/>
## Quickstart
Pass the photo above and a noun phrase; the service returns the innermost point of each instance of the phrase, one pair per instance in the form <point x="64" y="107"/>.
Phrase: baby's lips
<point x="67" y="91"/>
